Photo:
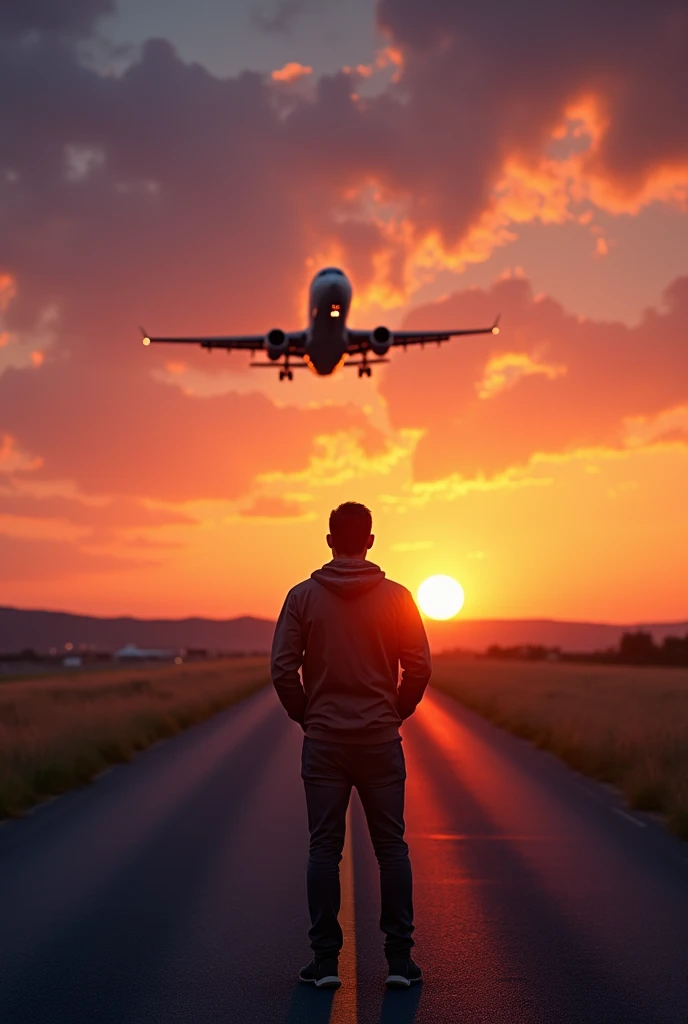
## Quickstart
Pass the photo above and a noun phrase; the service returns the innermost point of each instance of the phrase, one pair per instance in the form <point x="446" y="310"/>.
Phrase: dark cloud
<point x="281" y="17"/>
<point x="170" y="197"/>
<point x="167" y="197"/>
<point x="557" y="382"/>
<point x="494" y="79"/>
<point x="75" y="17"/>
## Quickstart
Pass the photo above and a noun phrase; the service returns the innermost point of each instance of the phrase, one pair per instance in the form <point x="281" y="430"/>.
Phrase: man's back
<point x="349" y="628"/>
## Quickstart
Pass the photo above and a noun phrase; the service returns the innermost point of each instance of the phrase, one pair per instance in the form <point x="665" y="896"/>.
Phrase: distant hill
<point x="20" y="628"/>
<point x="41" y="630"/>
<point x="478" y="634"/>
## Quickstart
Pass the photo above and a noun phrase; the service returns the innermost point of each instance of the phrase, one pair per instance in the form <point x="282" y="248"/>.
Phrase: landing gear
<point x="286" y="374"/>
<point x="365" y="371"/>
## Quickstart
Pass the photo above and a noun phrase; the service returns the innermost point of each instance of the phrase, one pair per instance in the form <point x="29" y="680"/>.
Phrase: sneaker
<point x="321" y="973"/>
<point x="402" y="972"/>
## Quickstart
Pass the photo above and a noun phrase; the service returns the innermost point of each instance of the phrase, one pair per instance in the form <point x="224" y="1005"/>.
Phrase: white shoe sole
<point x="329" y="981"/>
<point x="399" y="981"/>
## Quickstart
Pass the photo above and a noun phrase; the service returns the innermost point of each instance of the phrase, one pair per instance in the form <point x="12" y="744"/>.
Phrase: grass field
<point x="60" y="731"/>
<point x="627" y="726"/>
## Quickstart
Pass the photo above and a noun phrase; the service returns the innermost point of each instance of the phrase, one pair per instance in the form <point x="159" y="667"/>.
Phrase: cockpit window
<point x="329" y="270"/>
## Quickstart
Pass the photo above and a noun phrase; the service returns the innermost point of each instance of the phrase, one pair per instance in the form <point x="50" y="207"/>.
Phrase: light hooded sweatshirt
<point x="348" y="629"/>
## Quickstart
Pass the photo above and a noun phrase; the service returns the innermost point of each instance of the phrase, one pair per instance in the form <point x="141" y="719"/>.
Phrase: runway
<point x="173" y="889"/>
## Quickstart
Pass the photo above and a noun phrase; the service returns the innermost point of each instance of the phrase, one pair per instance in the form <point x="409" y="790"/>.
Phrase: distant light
<point x="495" y="330"/>
<point x="68" y="646"/>
<point x="334" y="312"/>
<point x="146" y="341"/>
<point x="177" y="661"/>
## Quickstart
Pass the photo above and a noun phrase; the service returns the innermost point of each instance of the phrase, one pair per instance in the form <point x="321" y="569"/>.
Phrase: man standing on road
<point x="348" y="629"/>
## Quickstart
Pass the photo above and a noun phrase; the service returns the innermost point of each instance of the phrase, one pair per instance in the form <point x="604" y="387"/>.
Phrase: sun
<point x="440" y="597"/>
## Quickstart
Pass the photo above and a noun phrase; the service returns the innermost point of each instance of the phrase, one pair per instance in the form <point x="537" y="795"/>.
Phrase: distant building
<point x="71" y="661"/>
<point x="130" y="652"/>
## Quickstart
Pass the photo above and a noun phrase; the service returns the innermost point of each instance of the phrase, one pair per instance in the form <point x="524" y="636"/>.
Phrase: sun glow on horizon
<point x="440" y="597"/>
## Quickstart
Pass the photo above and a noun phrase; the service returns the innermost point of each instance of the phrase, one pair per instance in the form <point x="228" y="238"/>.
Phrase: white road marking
<point x="629" y="817"/>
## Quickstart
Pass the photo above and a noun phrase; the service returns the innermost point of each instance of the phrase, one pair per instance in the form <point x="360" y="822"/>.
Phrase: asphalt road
<point x="172" y="890"/>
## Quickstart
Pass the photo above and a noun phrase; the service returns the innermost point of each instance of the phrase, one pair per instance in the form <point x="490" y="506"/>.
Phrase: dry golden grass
<point x="624" y="725"/>
<point x="57" y="732"/>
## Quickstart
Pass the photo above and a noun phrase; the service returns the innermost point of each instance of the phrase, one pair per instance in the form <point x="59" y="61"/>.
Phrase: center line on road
<point x="345" y="1003"/>
<point x="475" y="837"/>
<point x="629" y="817"/>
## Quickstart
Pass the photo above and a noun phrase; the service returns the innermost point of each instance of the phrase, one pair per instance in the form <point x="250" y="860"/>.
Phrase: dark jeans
<point x="378" y="771"/>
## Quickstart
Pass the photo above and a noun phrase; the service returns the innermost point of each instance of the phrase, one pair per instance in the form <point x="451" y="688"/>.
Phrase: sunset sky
<point x="189" y="166"/>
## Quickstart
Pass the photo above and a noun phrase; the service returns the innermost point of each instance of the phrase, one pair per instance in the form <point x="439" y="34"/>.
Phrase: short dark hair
<point x="350" y="526"/>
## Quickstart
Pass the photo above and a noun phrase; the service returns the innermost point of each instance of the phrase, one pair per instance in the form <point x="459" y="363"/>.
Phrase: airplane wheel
<point x="361" y="371"/>
<point x="290" y="375"/>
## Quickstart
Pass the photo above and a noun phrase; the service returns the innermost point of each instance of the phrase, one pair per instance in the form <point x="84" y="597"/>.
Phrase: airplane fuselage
<point x="329" y="301"/>
<point x="326" y="343"/>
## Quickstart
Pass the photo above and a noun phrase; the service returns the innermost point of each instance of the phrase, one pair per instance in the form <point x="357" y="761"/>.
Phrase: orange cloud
<point x="13" y="458"/>
<point x="169" y="445"/>
<point x="362" y="70"/>
<point x="267" y="507"/>
<point x="566" y="383"/>
<point x="506" y="369"/>
<point x="36" y="560"/>
<point x="104" y="516"/>
<point x="8" y="290"/>
<point x="398" y="189"/>
<point x="291" y="72"/>
<point x="391" y="56"/>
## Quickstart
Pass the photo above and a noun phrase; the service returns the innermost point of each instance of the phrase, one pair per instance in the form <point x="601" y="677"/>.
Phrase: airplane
<point x="327" y="343"/>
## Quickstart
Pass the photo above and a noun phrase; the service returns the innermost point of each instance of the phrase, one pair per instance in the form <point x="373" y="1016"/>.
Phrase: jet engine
<point x="276" y="343"/>
<point x="380" y="340"/>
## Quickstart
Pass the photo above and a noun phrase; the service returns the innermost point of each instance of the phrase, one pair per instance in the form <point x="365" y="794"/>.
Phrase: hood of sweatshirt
<point x="349" y="577"/>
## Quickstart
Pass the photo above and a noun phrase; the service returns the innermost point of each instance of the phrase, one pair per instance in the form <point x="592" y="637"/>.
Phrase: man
<point x="348" y="629"/>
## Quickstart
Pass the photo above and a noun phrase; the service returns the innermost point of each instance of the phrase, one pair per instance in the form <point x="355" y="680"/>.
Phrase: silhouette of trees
<point x="635" y="648"/>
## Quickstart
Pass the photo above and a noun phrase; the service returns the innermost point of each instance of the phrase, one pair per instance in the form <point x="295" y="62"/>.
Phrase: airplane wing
<point x="360" y="341"/>
<point x="246" y="342"/>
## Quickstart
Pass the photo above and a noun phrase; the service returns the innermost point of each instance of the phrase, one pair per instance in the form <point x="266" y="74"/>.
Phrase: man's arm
<point x="414" y="657"/>
<point x="286" y="659"/>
